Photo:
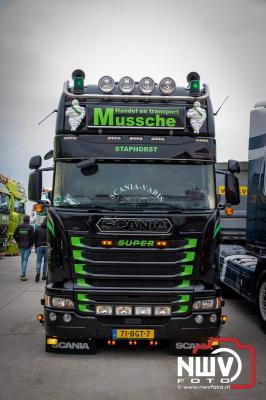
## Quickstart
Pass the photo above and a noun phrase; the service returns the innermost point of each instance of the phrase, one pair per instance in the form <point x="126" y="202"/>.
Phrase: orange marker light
<point x="40" y="317"/>
<point x="38" y="208"/>
<point x="229" y="211"/>
<point x="107" y="243"/>
<point x="130" y="343"/>
<point x="161" y="243"/>
<point x="113" y="342"/>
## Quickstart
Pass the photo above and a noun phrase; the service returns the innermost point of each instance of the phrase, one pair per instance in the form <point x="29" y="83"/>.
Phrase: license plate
<point x="132" y="334"/>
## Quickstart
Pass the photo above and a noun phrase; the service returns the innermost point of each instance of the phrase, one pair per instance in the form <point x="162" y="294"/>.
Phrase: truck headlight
<point x="104" y="310"/>
<point x="205" y="304"/>
<point x="146" y="85"/>
<point x="106" y="84"/>
<point x="123" y="310"/>
<point x="142" y="310"/>
<point x="162" y="311"/>
<point x="126" y="85"/>
<point x="167" y="86"/>
<point x="59" y="302"/>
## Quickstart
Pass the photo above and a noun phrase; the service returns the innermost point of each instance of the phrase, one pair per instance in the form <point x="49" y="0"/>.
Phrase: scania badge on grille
<point x="134" y="225"/>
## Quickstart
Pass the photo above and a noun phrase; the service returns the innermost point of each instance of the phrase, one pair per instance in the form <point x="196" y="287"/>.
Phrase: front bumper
<point x="175" y="328"/>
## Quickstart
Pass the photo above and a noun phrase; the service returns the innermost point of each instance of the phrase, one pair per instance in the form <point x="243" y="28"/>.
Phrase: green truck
<point x="18" y="199"/>
<point x="4" y="212"/>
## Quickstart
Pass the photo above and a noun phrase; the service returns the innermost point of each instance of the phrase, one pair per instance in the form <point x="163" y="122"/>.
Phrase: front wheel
<point x="261" y="301"/>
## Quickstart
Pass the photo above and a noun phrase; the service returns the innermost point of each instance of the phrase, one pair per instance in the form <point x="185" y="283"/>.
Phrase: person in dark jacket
<point x="41" y="250"/>
<point x="24" y="236"/>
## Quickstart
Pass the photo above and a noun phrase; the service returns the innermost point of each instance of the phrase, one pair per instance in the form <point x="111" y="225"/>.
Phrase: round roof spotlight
<point x="126" y="85"/>
<point x="193" y="76"/>
<point x="146" y="85"/>
<point x="106" y="84"/>
<point x="167" y="86"/>
<point x="78" y="73"/>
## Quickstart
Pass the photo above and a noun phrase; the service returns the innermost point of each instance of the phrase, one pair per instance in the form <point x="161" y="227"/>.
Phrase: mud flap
<point x="68" y="346"/>
<point x="186" y="348"/>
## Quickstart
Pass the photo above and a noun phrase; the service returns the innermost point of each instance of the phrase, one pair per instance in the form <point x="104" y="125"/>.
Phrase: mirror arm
<point x="219" y="171"/>
<point x="46" y="169"/>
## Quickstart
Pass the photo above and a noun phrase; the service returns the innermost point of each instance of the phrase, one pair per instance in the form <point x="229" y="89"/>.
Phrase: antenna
<point x="220" y="106"/>
<point x="47" y="116"/>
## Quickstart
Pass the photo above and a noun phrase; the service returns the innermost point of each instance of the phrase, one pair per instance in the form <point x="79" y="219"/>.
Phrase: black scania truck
<point x="134" y="217"/>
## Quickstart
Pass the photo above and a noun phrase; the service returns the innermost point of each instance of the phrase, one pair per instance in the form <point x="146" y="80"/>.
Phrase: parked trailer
<point x="242" y="266"/>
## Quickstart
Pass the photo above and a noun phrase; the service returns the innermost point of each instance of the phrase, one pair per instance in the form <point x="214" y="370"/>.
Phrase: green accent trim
<point x="76" y="241"/>
<point x="83" y="307"/>
<point x="82" y="297"/>
<point x="182" y="309"/>
<point x="81" y="282"/>
<point x="50" y="227"/>
<point x="79" y="269"/>
<point x="76" y="110"/>
<point x="190" y="256"/>
<point x="77" y="255"/>
<point x="191" y="244"/>
<point x="188" y="270"/>
<point x="184" y="298"/>
<point x="216" y="230"/>
<point x="184" y="284"/>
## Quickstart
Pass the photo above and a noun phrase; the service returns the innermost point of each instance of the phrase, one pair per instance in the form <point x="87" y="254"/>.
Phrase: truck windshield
<point x="4" y="199"/>
<point x="135" y="186"/>
<point x="19" y="206"/>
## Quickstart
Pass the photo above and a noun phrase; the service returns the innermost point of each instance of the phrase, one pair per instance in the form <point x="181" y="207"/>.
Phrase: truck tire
<point x="261" y="301"/>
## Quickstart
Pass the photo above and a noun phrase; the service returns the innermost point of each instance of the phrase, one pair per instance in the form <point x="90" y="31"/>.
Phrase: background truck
<point x="18" y="199"/>
<point x="242" y="267"/>
<point x="4" y="212"/>
<point x="134" y="219"/>
<point x="233" y="227"/>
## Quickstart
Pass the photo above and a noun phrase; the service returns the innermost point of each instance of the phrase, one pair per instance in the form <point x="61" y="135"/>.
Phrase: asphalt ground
<point x="27" y="372"/>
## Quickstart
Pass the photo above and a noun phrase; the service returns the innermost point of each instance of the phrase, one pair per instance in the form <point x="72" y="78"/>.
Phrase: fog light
<point x="123" y="310"/>
<point x="67" y="318"/>
<point x="199" y="319"/>
<point x="142" y="310"/>
<point x="104" y="310"/>
<point x="162" y="311"/>
<point x="52" y="316"/>
<point x="213" y="318"/>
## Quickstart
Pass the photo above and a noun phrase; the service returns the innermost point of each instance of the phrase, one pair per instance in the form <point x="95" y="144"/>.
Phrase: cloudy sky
<point x="41" y="42"/>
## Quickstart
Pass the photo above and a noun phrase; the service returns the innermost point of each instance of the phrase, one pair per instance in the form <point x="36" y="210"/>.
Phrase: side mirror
<point x="233" y="166"/>
<point x="35" y="162"/>
<point x="232" y="195"/>
<point x="35" y="186"/>
<point x="49" y="155"/>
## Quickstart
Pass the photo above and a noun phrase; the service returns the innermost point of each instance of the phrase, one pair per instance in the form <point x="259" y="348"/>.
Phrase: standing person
<point x="24" y="236"/>
<point x="41" y="250"/>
